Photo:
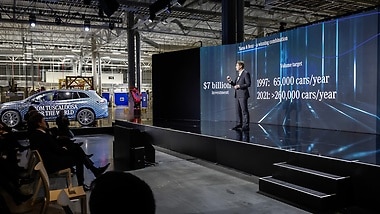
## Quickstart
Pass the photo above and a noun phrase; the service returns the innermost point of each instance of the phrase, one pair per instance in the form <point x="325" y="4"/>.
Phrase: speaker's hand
<point x="229" y="79"/>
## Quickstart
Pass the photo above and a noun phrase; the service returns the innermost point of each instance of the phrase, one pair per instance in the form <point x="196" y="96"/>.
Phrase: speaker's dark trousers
<point x="242" y="112"/>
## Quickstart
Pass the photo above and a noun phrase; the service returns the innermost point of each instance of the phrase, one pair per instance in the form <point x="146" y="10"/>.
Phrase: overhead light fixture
<point x="32" y="20"/>
<point x="164" y="22"/>
<point x="101" y="13"/>
<point x="111" y="25"/>
<point x="58" y="20"/>
<point x="109" y="6"/>
<point x="152" y="16"/>
<point x="160" y="6"/>
<point x="181" y="2"/>
<point x="157" y="8"/>
<point x="86" y="25"/>
<point x="169" y="10"/>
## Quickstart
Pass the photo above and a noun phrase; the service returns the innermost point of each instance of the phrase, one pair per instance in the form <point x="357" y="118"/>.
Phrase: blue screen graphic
<point x="319" y="76"/>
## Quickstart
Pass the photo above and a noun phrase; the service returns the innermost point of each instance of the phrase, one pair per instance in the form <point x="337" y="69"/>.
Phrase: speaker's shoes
<point x="246" y="128"/>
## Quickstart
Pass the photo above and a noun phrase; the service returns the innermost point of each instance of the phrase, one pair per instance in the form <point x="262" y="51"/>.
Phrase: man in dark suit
<point x="241" y="86"/>
<point x="57" y="155"/>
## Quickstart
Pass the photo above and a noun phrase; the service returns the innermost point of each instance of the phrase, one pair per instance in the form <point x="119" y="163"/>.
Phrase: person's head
<point x="118" y="190"/>
<point x="61" y="113"/>
<point x="239" y="65"/>
<point x="36" y="121"/>
<point x="29" y="113"/>
<point x="3" y="128"/>
<point x="32" y="108"/>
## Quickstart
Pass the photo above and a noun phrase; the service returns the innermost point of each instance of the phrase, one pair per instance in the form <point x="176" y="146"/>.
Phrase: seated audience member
<point x="57" y="156"/>
<point x="117" y="190"/>
<point x="10" y="181"/>
<point x="12" y="176"/>
<point x="30" y="111"/>
<point x="63" y="123"/>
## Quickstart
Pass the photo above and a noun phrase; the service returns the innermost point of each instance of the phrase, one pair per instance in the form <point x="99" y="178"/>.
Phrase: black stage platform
<point x="343" y="145"/>
<point x="346" y="162"/>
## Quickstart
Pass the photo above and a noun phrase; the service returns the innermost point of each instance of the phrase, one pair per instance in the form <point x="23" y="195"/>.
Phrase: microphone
<point x="228" y="78"/>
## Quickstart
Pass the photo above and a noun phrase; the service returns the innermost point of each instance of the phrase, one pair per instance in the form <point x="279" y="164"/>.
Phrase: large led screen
<point x="319" y="76"/>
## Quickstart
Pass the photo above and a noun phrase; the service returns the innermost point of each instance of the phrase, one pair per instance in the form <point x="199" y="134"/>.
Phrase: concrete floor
<point x="183" y="184"/>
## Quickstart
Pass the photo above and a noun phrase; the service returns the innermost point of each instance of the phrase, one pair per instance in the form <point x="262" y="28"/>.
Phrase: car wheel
<point x="85" y="117"/>
<point x="11" y="118"/>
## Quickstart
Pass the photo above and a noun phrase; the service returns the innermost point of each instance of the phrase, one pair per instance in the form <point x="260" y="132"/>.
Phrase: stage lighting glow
<point x="87" y="25"/>
<point x="32" y="20"/>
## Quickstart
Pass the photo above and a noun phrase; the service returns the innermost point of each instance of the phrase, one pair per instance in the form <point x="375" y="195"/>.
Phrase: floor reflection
<point x="336" y="144"/>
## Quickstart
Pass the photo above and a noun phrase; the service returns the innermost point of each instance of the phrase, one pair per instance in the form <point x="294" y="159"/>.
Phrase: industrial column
<point x="232" y="21"/>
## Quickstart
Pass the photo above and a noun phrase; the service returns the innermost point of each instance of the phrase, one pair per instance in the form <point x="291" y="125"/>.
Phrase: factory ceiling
<point x="59" y="34"/>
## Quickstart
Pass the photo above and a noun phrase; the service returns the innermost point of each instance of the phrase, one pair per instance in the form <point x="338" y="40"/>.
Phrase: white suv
<point x="84" y="106"/>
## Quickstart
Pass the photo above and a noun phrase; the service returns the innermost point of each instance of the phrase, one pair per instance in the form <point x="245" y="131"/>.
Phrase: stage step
<point x="310" y="178"/>
<point x="308" y="188"/>
<point x="302" y="197"/>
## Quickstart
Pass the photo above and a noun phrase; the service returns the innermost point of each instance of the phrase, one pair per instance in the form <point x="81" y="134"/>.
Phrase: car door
<point x="65" y="100"/>
<point x="43" y="103"/>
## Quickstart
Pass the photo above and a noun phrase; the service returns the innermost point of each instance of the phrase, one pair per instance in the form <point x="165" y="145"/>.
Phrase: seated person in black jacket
<point x="63" y="123"/>
<point x="57" y="156"/>
<point x="30" y="111"/>
<point x="12" y="174"/>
